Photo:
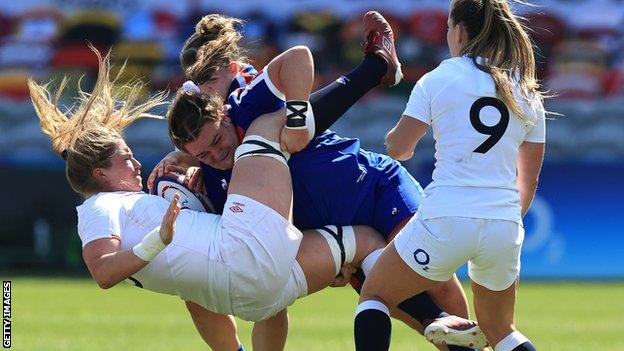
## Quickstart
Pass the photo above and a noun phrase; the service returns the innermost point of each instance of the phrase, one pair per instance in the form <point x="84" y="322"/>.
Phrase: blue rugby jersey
<point x="334" y="180"/>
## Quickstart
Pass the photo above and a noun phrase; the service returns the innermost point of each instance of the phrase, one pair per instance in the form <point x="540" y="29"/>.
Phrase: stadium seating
<point x="580" y="63"/>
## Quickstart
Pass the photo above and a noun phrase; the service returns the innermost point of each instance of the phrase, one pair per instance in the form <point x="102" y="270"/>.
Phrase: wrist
<point x="299" y="115"/>
<point x="150" y="246"/>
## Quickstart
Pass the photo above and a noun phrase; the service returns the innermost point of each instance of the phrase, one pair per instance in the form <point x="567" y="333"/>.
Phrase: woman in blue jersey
<point x="335" y="181"/>
<point x="484" y="106"/>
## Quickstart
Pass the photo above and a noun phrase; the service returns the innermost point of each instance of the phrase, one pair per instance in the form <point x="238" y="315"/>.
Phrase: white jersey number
<point x="495" y="131"/>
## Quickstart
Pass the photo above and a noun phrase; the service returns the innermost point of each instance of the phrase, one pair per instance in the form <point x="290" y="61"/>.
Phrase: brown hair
<point x="89" y="133"/>
<point x="189" y="112"/>
<point x="215" y="43"/>
<point x="496" y="35"/>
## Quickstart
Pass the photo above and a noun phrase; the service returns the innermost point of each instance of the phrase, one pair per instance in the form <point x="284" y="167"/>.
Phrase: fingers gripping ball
<point x="168" y="185"/>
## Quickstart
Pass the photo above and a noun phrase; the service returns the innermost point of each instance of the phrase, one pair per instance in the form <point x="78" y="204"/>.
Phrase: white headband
<point x="190" y="87"/>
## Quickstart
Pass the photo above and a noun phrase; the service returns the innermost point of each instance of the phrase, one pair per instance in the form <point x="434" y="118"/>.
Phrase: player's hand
<point x="344" y="277"/>
<point x="293" y="140"/>
<point x="193" y="179"/>
<point x="174" y="158"/>
<point x="167" y="227"/>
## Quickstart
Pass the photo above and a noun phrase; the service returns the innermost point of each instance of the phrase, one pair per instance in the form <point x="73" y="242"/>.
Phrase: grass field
<point x="74" y="314"/>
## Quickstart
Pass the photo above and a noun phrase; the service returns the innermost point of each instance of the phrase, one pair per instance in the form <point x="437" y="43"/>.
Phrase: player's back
<point x="477" y="140"/>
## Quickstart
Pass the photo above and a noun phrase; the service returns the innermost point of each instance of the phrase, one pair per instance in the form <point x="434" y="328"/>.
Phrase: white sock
<point x="369" y="261"/>
<point x="511" y="341"/>
<point x="372" y="305"/>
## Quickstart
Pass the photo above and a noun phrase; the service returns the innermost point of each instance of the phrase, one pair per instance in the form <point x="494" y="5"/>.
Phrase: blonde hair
<point x="215" y="43"/>
<point x="496" y="35"/>
<point x="88" y="133"/>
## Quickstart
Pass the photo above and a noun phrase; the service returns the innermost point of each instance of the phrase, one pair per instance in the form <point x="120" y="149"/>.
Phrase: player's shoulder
<point x="447" y="72"/>
<point x="451" y="67"/>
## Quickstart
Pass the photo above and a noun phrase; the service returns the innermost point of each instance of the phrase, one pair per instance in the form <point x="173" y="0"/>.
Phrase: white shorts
<point x="435" y="248"/>
<point x="258" y="247"/>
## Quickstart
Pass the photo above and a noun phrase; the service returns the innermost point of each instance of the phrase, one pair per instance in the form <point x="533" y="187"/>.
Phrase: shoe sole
<point x="438" y="333"/>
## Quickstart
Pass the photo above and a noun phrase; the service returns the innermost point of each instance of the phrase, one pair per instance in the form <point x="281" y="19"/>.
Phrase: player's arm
<point x="177" y="158"/>
<point x="108" y="265"/>
<point x="292" y="73"/>
<point x="402" y="139"/>
<point x="530" y="160"/>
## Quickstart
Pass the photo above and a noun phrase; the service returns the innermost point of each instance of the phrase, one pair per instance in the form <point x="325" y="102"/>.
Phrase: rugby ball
<point x="170" y="184"/>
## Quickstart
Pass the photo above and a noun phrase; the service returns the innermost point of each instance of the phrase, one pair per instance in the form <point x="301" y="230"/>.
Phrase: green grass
<point x="74" y="314"/>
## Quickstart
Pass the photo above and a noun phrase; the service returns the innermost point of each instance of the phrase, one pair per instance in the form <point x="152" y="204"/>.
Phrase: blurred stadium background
<point x="574" y="230"/>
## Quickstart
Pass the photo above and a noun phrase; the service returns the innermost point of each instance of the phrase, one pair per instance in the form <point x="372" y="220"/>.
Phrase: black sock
<point x="422" y="308"/>
<point x="332" y="101"/>
<point x="527" y="346"/>
<point x="372" y="330"/>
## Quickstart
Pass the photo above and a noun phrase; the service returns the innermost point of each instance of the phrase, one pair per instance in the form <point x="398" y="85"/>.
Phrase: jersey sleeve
<point x="260" y="96"/>
<point x="419" y="103"/>
<point x="216" y="184"/>
<point x="537" y="133"/>
<point x="97" y="222"/>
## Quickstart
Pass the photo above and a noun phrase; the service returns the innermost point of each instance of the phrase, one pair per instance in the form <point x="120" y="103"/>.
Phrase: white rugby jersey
<point x="477" y="140"/>
<point x="182" y="268"/>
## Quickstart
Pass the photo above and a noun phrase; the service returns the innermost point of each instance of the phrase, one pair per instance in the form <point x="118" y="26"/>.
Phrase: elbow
<point x="398" y="149"/>
<point x="398" y="153"/>
<point x="103" y="281"/>
<point x="105" y="285"/>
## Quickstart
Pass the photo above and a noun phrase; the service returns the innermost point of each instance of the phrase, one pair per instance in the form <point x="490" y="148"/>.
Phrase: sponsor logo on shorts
<point x="395" y="211"/>
<point x="237" y="207"/>
<point x="422" y="258"/>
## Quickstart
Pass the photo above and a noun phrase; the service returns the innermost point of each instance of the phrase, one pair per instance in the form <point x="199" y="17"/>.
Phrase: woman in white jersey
<point x="250" y="262"/>
<point x="485" y="109"/>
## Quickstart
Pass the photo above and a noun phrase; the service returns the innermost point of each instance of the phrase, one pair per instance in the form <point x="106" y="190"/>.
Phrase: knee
<point x="300" y="55"/>
<point x="301" y="52"/>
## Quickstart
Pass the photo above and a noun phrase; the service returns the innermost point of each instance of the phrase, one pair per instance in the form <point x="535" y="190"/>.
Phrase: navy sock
<point x="241" y="348"/>
<point x="422" y="308"/>
<point x="527" y="346"/>
<point x="332" y="101"/>
<point x="372" y="330"/>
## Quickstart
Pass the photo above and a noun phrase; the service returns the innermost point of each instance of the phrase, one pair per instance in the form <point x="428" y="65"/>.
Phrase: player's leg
<point x="494" y="273"/>
<point x="390" y="282"/>
<point x="217" y="330"/>
<point x="270" y="334"/>
<point x="495" y="312"/>
<point x="292" y="72"/>
<point x="380" y="61"/>
<point x="399" y="197"/>
<point x="418" y="258"/>
<point x="324" y="251"/>
<point x="263" y="179"/>
<point x="450" y="297"/>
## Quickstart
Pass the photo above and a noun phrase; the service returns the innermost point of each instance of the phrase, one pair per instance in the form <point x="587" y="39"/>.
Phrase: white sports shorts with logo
<point x="435" y="248"/>
<point x="259" y="275"/>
